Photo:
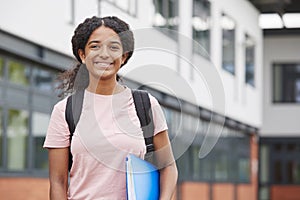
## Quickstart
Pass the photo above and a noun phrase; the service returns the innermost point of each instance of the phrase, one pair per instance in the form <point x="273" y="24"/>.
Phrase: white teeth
<point x="101" y="64"/>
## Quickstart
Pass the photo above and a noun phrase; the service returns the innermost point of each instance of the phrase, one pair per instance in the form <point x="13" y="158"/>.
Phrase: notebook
<point x="142" y="179"/>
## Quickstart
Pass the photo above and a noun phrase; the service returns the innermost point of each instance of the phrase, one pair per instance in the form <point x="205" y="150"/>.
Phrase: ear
<point x="81" y="55"/>
<point x="124" y="57"/>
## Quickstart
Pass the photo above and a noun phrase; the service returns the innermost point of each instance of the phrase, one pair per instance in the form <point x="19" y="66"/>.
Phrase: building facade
<point x="280" y="134"/>
<point x="201" y="59"/>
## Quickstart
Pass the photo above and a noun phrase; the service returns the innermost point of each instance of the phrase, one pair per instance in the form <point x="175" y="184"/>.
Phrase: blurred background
<point x="253" y="46"/>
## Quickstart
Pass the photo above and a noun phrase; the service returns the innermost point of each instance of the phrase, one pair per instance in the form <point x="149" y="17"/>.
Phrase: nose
<point x="103" y="52"/>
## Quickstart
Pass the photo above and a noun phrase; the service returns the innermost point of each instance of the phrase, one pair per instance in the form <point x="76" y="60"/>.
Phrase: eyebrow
<point x="111" y="41"/>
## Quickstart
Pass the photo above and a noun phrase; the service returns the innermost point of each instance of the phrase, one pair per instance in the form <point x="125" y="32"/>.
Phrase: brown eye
<point x="114" y="47"/>
<point x="94" y="46"/>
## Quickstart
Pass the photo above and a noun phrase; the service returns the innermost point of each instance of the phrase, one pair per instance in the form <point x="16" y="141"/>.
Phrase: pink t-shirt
<point x="108" y="130"/>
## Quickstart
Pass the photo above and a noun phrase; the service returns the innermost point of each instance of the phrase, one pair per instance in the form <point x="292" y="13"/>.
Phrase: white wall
<point x="243" y="102"/>
<point x="279" y="119"/>
<point x="185" y="75"/>
<point x="43" y="22"/>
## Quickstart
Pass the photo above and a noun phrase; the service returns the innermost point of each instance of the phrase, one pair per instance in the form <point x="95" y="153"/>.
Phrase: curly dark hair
<point x="77" y="77"/>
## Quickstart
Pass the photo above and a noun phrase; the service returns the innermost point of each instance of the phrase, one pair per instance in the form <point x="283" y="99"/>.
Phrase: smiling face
<point x="103" y="54"/>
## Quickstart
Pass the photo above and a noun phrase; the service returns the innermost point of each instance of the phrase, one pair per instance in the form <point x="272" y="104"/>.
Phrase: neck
<point x="105" y="87"/>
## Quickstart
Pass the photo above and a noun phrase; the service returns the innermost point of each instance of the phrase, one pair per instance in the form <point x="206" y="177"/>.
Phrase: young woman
<point x="108" y="129"/>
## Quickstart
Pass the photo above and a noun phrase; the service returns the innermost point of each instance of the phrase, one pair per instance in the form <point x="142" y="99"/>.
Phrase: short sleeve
<point x="160" y="123"/>
<point x="58" y="133"/>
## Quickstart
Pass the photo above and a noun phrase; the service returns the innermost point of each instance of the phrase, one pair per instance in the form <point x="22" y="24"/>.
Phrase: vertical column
<point x="185" y="36"/>
<point x="216" y="36"/>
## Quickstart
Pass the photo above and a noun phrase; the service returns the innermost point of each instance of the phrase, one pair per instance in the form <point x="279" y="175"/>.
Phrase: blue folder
<point x="142" y="179"/>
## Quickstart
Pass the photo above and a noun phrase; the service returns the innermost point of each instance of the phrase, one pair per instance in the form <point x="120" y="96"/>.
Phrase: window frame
<point x="250" y="65"/>
<point x="127" y="10"/>
<point x="202" y="23"/>
<point x="30" y="107"/>
<point x="170" y="17"/>
<point x="285" y="90"/>
<point x="228" y="25"/>
<point x="224" y="148"/>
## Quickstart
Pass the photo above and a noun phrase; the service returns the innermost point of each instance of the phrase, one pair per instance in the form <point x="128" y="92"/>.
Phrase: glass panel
<point x="250" y="60"/>
<point x="264" y="163"/>
<point x="291" y="147"/>
<point x="128" y="6"/>
<point x="43" y="79"/>
<point x="177" y="123"/>
<point x="264" y="193"/>
<point x="201" y="27"/>
<point x="206" y="167"/>
<point x="1" y="68"/>
<point x="1" y="136"/>
<point x="169" y="119"/>
<point x="132" y="7"/>
<point x="18" y="73"/>
<point x="278" y="147"/>
<point x="196" y="163"/>
<point x="296" y="173"/>
<point x="166" y="14"/>
<point x="228" y="45"/>
<point x="183" y="166"/>
<point x="221" y="167"/>
<point x="277" y="172"/>
<point x="39" y="129"/>
<point x="293" y="172"/>
<point x="123" y="4"/>
<point x="187" y="123"/>
<point x="229" y="160"/>
<point x="173" y="14"/>
<point x="17" y="133"/>
<point x="286" y="83"/>
<point x="244" y="169"/>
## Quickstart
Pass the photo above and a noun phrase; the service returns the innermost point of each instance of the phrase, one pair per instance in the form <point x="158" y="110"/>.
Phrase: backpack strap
<point x="144" y="113"/>
<point x="72" y="115"/>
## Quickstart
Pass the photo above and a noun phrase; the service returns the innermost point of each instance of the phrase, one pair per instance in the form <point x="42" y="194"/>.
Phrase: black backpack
<point x="143" y="109"/>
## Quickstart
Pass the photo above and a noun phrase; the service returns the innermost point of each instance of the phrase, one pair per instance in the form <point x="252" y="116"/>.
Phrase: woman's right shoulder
<point x="61" y="105"/>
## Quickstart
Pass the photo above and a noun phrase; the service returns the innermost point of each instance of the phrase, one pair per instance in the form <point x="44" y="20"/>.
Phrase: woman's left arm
<point x="166" y="163"/>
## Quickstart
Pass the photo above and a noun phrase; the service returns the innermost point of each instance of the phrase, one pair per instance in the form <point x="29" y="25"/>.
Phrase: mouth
<point x="102" y="65"/>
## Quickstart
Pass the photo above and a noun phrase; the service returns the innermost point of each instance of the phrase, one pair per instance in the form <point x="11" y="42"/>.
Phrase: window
<point x="22" y="125"/>
<point x="128" y="6"/>
<point x="166" y="15"/>
<point x="250" y="60"/>
<point x="43" y="79"/>
<point x="17" y="134"/>
<point x="18" y="73"/>
<point x="174" y="121"/>
<point x="72" y="12"/>
<point x="286" y="83"/>
<point x="201" y="27"/>
<point x="1" y="136"/>
<point x="196" y="163"/>
<point x="232" y="156"/>
<point x="279" y="162"/>
<point x="293" y="172"/>
<point x="39" y="129"/>
<point x="1" y="68"/>
<point x="221" y="167"/>
<point x="229" y="160"/>
<point x="244" y="169"/>
<point x="206" y="168"/>
<point x="228" y="44"/>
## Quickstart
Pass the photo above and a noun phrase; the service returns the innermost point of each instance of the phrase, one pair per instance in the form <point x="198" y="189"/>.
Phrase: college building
<point x="230" y="94"/>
